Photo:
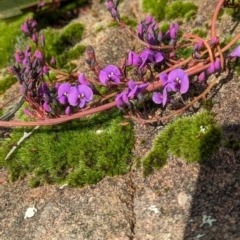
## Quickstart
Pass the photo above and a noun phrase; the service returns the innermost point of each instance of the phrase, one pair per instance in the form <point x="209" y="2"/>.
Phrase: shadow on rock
<point x="215" y="210"/>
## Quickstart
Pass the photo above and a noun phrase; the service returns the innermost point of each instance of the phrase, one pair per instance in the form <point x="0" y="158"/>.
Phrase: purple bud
<point x="202" y="77"/>
<point x="217" y="64"/>
<point x="53" y="61"/>
<point x="68" y="110"/>
<point x="45" y="69"/>
<point x="148" y="19"/>
<point x="38" y="54"/>
<point x="211" y="68"/>
<point x="24" y="28"/>
<point x="34" y="38"/>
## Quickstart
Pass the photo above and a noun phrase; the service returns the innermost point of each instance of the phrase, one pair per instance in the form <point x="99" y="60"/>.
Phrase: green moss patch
<point x="77" y="153"/>
<point x="128" y="21"/>
<point x="193" y="138"/>
<point x="62" y="44"/>
<point x="162" y="10"/>
<point x="6" y="83"/>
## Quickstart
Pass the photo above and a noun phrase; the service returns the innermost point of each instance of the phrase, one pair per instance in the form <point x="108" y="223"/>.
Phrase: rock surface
<point x="169" y="204"/>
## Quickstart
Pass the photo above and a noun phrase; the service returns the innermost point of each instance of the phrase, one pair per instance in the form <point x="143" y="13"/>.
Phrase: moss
<point x="181" y="9"/>
<point x="233" y="12"/>
<point x="6" y="83"/>
<point x="200" y="32"/>
<point x="184" y="52"/>
<point x="128" y="21"/>
<point x="60" y="44"/>
<point x="99" y="29"/>
<point x="193" y="138"/>
<point x="155" y="8"/>
<point x="71" y="54"/>
<point x="71" y="153"/>
<point x="164" y="27"/>
<point x="162" y="10"/>
<point x="10" y="32"/>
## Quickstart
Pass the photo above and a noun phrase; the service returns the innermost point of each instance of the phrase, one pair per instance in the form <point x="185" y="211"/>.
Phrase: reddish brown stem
<point x="214" y="19"/>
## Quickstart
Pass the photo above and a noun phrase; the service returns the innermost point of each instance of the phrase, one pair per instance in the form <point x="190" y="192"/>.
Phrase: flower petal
<point x="87" y="91"/>
<point x="63" y="88"/>
<point x="73" y="96"/>
<point x="82" y="102"/>
<point x="103" y="77"/>
<point x="157" y="98"/>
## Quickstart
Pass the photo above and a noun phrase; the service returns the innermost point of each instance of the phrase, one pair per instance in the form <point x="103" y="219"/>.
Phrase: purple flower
<point x="178" y="80"/>
<point x="133" y="59"/>
<point x="159" y="98"/>
<point x="63" y="91"/>
<point x="235" y="52"/>
<point x="38" y="54"/>
<point x="163" y="78"/>
<point x="110" y="73"/>
<point x="80" y="95"/>
<point x="134" y="89"/>
<point x="82" y="79"/>
<point x="122" y="99"/>
<point x="146" y="57"/>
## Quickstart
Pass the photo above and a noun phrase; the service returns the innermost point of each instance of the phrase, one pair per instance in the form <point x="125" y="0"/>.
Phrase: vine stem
<point x="204" y="42"/>
<point x="214" y="19"/>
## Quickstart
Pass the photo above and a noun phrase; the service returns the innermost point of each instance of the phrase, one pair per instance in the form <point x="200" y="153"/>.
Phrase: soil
<point x="180" y="201"/>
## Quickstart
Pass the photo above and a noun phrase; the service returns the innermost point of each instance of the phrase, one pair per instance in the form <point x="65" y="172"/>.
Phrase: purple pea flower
<point x="82" y="79"/>
<point x="163" y="78"/>
<point x="110" y="74"/>
<point x="80" y="95"/>
<point x="157" y="98"/>
<point x="63" y="91"/>
<point x="122" y="99"/>
<point x="160" y="98"/>
<point x="235" y="52"/>
<point x="136" y="90"/>
<point x="133" y="59"/>
<point x="178" y="80"/>
<point x="146" y="57"/>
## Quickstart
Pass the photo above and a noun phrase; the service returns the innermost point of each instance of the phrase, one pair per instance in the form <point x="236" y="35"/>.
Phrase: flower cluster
<point x="112" y="8"/>
<point x="133" y="91"/>
<point x="77" y="95"/>
<point x="158" y="69"/>
<point x="177" y="81"/>
<point x="30" y="28"/>
<point x="148" y="31"/>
